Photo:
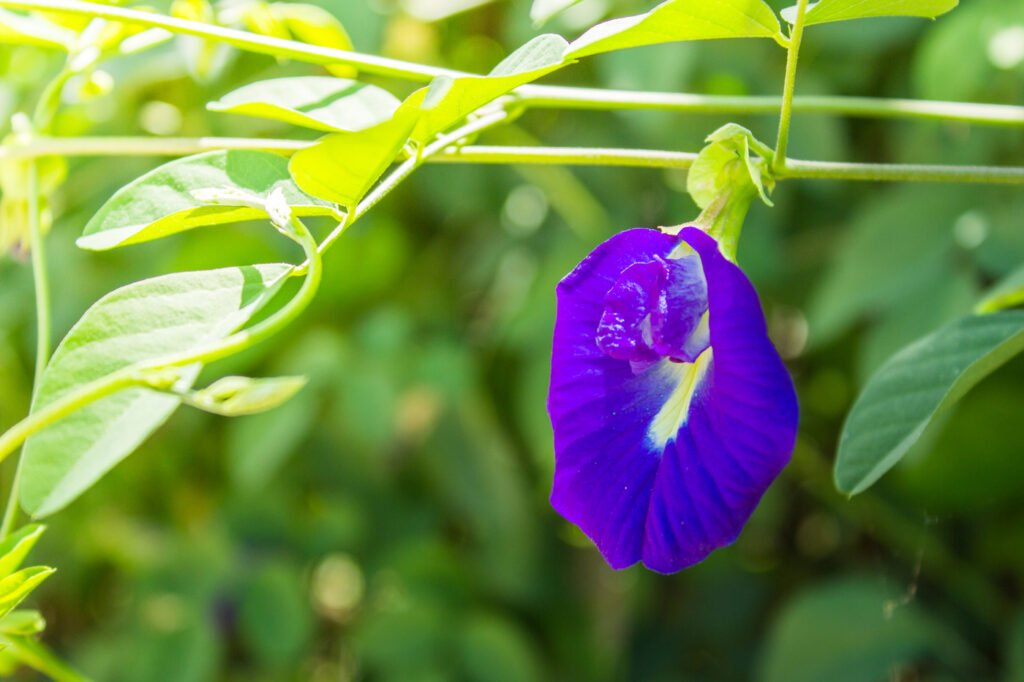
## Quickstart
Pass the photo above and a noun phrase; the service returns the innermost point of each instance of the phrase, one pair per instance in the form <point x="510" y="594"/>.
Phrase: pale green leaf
<point x="16" y="547"/>
<point x="342" y="167"/>
<point x="1007" y="293"/>
<point x="15" y="587"/>
<point x="161" y="202"/>
<point x="915" y="386"/>
<point x="677" y="20"/>
<point x="542" y="10"/>
<point x="319" y="102"/>
<point x="840" y="10"/>
<point x="140" y="322"/>
<point x="22" y="622"/>
<point x="235" y="396"/>
<point x="451" y="99"/>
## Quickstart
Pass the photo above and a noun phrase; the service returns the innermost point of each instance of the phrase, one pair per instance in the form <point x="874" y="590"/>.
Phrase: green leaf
<point x="542" y="10"/>
<point x="16" y="547"/>
<point x="161" y="202"/>
<point x="677" y="20"/>
<point x="15" y="587"/>
<point x="848" y="630"/>
<point x="22" y="622"/>
<point x="841" y="10"/>
<point x="342" y="167"/>
<point x="1007" y="293"/>
<point x="726" y="161"/>
<point x="915" y="386"/>
<point x="449" y="100"/>
<point x="236" y="396"/>
<point x="140" y="322"/>
<point x="319" y="102"/>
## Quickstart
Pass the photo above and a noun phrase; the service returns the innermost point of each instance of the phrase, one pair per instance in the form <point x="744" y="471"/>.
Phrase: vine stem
<point x="547" y="96"/>
<point x="43" y="331"/>
<point x="488" y="154"/>
<point x="792" y="56"/>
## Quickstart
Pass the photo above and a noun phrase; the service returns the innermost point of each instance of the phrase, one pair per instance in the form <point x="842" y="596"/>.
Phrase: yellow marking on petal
<point x="674" y="412"/>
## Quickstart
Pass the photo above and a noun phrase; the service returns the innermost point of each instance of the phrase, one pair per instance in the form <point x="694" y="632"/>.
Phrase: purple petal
<point x="666" y="500"/>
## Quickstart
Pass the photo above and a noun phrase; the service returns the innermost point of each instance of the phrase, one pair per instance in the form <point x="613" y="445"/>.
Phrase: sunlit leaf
<point x="316" y="26"/>
<point x="915" y="386"/>
<point x="236" y="396"/>
<point x="140" y="322"/>
<point x="320" y="102"/>
<point x="161" y="202"/>
<point x="542" y="10"/>
<point x="676" y="20"/>
<point x="15" y="587"/>
<point x="451" y="99"/>
<point x="840" y="10"/>
<point x="16" y="547"/>
<point x="343" y="166"/>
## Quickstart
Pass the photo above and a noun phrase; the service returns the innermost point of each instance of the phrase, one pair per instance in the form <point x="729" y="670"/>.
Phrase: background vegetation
<point x="391" y="522"/>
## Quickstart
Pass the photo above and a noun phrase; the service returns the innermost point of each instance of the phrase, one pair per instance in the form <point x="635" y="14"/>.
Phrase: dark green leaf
<point x="319" y="102"/>
<point x="161" y="202"/>
<point x="137" y="323"/>
<point x="915" y="386"/>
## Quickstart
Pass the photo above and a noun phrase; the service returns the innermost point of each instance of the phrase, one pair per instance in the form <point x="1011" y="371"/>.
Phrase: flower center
<point x="657" y="309"/>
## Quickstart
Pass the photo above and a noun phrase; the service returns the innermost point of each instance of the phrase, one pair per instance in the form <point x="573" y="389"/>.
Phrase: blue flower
<point x="671" y="408"/>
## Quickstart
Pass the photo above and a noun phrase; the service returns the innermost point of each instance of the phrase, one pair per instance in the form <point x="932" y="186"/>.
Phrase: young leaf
<point x="161" y="202"/>
<point x="137" y="323"/>
<point x="15" y="587"/>
<point x="915" y="386"/>
<point x="23" y="622"/>
<point x="343" y="166"/>
<point x="840" y="10"/>
<point x="449" y="100"/>
<point x="676" y="20"/>
<point x="16" y="547"/>
<point x="319" y="102"/>
<point x="542" y="10"/>
<point x="236" y="396"/>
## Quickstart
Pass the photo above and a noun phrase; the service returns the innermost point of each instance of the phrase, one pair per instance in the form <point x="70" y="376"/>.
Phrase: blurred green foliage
<point x="391" y="522"/>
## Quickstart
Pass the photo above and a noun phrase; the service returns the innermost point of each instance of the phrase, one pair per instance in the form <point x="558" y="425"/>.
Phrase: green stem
<point x="490" y="154"/>
<point x="142" y="374"/>
<point x="547" y="96"/>
<point x="43" y="332"/>
<point x="792" y="55"/>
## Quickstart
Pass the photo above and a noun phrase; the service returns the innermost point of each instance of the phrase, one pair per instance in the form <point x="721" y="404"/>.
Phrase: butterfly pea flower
<point x="672" y="410"/>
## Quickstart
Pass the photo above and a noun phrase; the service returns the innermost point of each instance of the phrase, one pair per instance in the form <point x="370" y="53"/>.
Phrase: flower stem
<point x="792" y="55"/>
<point x="547" y="96"/>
